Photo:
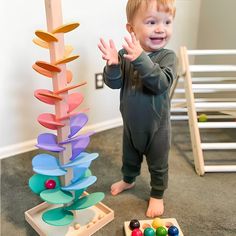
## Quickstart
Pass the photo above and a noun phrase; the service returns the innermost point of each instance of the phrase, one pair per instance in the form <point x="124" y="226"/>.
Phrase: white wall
<point x="216" y="31"/>
<point x="19" y="20"/>
<point x="186" y="24"/>
<point x="217" y="25"/>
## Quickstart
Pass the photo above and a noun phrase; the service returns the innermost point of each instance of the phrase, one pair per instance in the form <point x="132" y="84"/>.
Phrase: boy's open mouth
<point x="157" y="39"/>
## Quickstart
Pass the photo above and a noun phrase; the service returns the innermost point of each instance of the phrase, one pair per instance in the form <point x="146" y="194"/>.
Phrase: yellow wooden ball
<point x="157" y="222"/>
<point x="202" y="118"/>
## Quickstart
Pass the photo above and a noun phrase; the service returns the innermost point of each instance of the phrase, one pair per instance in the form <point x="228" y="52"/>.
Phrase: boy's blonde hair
<point x="133" y="6"/>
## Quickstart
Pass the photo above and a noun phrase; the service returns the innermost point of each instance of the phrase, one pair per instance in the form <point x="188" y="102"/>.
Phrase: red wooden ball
<point x="136" y="232"/>
<point x="50" y="184"/>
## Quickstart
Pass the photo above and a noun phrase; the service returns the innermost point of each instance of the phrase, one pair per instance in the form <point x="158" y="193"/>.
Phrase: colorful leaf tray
<point x="47" y="164"/>
<point x="44" y="160"/>
<point x="49" y="121"/>
<point x="69" y="76"/>
<point x="81" y="172"/>
<point x="79" y="193"/>
<point x="66" y="60"/>
<point x="74" y="100"/>
<point x="42" y="71"/>
<point x="46" y="36"/>
<point x="41" y="43"/>
<point x="37" y="182"/>
<point x="58" y="217"/>
<point x="87" y="201"/>
<point x="71" y="114"/>
<point x="47" y="66"/>
<point x="56" y="196"/>
<point x="66" y="28"/>
<point x="49" y="74"/>
<point x="47" y="96"/>
<point x="82" y="183"/>
<point x="70" y="87"/>
<point x="54" y="172"/>
<point x="48" y="142"/>
<point x="79" y="146"/>
<point x="81" y="159"/>
<point x="77" y="138"/>
<point x="68" y="50"/>
<point x="77" y="123"/>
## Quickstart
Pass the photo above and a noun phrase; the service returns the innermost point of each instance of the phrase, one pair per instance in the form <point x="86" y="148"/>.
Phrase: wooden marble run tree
<point x="61" y="179"/>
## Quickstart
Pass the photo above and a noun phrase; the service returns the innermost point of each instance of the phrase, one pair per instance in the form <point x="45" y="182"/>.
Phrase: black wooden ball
<point x="134" y="224"/>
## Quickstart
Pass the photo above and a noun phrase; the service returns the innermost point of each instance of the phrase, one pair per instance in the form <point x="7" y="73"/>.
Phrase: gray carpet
<point x="203" y="206"/>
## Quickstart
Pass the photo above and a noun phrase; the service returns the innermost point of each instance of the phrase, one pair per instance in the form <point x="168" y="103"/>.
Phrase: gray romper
<point x="145" y="107"/>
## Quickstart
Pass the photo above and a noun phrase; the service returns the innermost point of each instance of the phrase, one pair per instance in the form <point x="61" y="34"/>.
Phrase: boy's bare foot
<point x="155" y="207"/>
<point x="120" y="186"/>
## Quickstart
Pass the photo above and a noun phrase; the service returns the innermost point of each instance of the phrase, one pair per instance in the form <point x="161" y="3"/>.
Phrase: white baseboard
<point x="29" y="145"/>
<point x="12" y="150"/>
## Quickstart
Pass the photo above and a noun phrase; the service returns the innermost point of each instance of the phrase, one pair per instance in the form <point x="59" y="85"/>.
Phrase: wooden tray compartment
<point x="90" y="220"/>
<point x="167" y="222"/>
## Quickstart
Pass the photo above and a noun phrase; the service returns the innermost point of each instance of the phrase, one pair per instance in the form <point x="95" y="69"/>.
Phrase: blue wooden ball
<point x="173" y="231"/>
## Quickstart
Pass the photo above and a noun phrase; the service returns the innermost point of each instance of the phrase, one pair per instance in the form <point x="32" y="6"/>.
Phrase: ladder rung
<point x="218" y="146"/>
<point x="209" y="90"/>
<point x="220" y="168"/>
<point x="210" y="125"/>
<point x="211" y="52"/>
<point x="183" y="100"/>
<point x="212" y="68"/>
<point x="209" y="79"/>
<point x="181" y="90"/>
<point x="179" y="109"/>
<point x="212" y="117"/>
<point x="178" y="117"/>
<point x="184" y="109"/>
<point x="216" y="105"/>
<point x="221" y="87"/>
<point x="177" y="90"/>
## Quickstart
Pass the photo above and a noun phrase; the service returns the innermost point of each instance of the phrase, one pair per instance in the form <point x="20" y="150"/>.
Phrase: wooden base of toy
<point x="167" y="221"/>
<point x="85" y="223"/>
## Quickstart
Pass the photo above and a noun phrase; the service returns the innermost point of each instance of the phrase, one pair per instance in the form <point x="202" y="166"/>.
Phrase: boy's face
<point x="153" y="28"/>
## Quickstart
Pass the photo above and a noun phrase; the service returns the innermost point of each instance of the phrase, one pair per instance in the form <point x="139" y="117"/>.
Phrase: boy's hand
<point x="109" y="52"/>
<point x="133" y="48"/>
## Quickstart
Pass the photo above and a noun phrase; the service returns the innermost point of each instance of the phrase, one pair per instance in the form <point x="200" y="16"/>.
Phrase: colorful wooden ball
<point x="50" y="184"/>
<point x="161" y="231"/>
<point x="134" y="224"/>
<point x="202" y="118"/>
<point x="137" y="232"/>
<point x="173" y="231"/>
<point x="146" y="225"/>
<point x="149" y="232"/>
<point x="157" y="222"/>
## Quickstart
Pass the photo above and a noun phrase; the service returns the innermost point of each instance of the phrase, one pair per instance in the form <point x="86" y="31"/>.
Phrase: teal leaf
<point x="87" y="201"/>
